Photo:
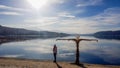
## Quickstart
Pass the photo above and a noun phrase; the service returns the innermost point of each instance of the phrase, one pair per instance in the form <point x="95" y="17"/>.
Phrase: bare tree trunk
<point x="77" y="54"/>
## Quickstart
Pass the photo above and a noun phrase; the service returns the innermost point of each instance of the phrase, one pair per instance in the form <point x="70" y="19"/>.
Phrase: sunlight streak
<point x="38" y="4"/>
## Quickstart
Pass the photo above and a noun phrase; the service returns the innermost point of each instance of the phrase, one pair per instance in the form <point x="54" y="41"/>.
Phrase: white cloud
<point x="58" y="1"/>
<point x="60" y="24"/>
<point x="44" y="21"/>
<point x="109" y="16"/>
<point x="66" y="15"/>
<point x="67" y="22"/>
<point x="12" y="8"/>
<point x="77" y="26"/>
<point x="82" y="3"/>
<point x="10" y="13"/>
<point x="14" y="11"/>
<point x="40" y="4"/>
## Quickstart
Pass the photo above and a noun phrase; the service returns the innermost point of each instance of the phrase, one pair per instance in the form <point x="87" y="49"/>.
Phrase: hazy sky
<point x="69" y="16"/>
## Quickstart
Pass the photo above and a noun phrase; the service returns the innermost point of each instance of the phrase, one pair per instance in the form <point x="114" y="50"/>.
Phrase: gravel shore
<point x="23" y="63"/>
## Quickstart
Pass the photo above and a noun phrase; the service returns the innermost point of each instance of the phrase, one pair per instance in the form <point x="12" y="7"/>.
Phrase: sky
<point x="68" y="16"/>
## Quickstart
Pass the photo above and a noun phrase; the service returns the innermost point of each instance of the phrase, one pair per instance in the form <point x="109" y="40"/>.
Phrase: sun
<point x="38" y="3"/>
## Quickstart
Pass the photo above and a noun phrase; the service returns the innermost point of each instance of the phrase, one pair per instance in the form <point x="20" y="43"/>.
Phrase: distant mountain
<point x="108" y="35"/>
<point x="8" y="31"/>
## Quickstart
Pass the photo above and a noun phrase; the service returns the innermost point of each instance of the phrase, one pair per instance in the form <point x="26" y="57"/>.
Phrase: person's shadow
<point x="81" y="65"/>
<point x="58" y="65"/>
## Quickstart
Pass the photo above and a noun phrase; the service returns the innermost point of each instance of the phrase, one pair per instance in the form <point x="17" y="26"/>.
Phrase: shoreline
<point x="31" y="63"/>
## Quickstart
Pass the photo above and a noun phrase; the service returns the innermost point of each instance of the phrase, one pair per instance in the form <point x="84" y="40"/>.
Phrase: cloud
<point x="12" y="8"/>
<point x="108" y="19"/>
<point x="63" y="22"/>
<point x="83" y="3"/>
<point x="58" y="1"/>
<point x="66" y="21"/>
<point x="39" y="4"/>
<point x="109" y="16"/>
<point x="44" y="21"/>
<point x="77" y="25"/>
<point x="10" y="13"/>
<point x="66" y="15"/>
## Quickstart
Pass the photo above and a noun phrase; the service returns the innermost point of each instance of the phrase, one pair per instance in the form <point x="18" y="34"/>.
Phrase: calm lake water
<point x="103" y="52"/>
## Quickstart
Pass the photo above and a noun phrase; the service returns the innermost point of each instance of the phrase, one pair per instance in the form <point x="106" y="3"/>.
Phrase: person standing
<point x="55" y="52"/>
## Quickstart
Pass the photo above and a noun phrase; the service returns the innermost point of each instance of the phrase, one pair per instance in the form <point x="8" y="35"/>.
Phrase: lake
<point x="102" y="52"/>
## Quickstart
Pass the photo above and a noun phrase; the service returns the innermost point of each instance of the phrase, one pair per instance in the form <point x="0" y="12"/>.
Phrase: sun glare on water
<point x="38" y="4"/>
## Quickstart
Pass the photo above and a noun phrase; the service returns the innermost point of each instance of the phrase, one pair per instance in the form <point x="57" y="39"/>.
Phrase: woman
<point x="55" y="52"/>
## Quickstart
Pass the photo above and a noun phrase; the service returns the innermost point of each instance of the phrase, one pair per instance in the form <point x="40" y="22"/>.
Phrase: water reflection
<point x="103" y="52"/>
